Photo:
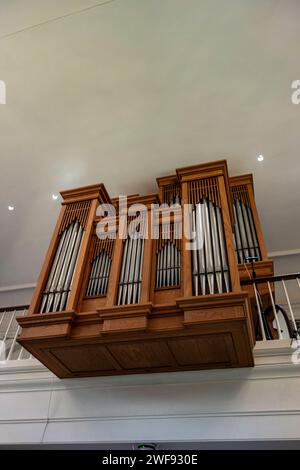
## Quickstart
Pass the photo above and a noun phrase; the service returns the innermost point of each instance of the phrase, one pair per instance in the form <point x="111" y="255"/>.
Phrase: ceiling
<point x="130" y="90"/>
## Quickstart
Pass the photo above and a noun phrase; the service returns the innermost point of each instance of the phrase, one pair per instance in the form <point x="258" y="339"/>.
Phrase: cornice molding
<point x="279" y="254"/>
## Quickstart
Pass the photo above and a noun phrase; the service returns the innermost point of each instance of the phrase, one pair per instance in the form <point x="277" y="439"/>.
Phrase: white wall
<point x="257" y="404"/>
<point x="16" y="295"/>
<point x="260" y="403"/>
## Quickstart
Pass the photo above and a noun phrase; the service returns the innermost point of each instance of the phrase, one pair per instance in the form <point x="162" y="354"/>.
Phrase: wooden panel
<point x="206" y="349"/>
<point x="150" y="354"/>
<point x="85" y="358"/>
<point x="115" y="325"/>
<point x="212" y="314"/>
<point x="166" y="295"/>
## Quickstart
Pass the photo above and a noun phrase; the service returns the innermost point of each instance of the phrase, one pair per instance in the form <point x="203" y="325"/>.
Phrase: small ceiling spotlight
<point x="260" y="158"/>
<point x="11" y="208"/>
<point x="54" y="196"/>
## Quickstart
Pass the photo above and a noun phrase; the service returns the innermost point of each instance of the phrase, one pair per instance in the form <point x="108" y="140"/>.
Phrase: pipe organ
<point x="168" y="255"/>
<point x="250" y="247"/>
<point x="245" y="237"/>
<point x="129" y="289"/>
<point x="209" y="260"/>
<point x="159" y="289"/>
<point x="102" y="250"/>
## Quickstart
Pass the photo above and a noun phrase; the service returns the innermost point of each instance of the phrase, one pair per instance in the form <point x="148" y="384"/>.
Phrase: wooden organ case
<point x="251" y="253"/>
<point x="143" y="301"/>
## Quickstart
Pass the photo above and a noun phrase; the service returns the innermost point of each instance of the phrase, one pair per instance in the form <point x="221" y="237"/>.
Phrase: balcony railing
<point x="10" y="350"/>
<point x="275" y="302"/>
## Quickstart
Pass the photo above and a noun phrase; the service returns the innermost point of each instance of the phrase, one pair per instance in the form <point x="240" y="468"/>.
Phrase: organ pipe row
<point x="245" y="236"/>
<point x="168" y="256"/>
<point x="129" y="291"/>
<point x="100" y="267"/>
<point x="209" y="259"/>
<point x="59" y="282"/>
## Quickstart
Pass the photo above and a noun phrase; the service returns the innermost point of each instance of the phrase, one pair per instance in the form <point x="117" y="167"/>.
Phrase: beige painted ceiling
<point x="127" y="91"/>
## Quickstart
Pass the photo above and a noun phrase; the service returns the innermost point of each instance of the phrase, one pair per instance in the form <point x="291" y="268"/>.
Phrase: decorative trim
<point x="17" y="287"/>
<point x="279" y="254"/>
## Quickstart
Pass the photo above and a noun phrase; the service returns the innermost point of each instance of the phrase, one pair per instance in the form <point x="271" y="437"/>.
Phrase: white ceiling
<point x="132" y="89"/>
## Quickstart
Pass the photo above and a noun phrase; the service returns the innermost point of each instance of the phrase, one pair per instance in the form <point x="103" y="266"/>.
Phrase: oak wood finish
<point x="214" y="332"/>
<point x="244" y="183"/>
<point x="169" y="329"/>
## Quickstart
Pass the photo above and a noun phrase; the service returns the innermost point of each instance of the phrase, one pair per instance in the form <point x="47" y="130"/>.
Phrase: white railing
<point x="275" y="306"/>
<point x="10" y="349"/>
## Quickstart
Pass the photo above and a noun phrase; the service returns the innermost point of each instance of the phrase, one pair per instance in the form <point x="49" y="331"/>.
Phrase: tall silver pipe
<point x="107" y="277"/>
<point x="136" y="271"/>
<point x="92" y="275"/>
<point x="92" y="271"/>
<point x="49" y="284"/>
<point x="172" y="248"/>
<point x="98" y="262"/>
<point x="120" y="293"/>
<point x="223" y="249"/>
<point x="253" y="231"/>
<point x="240" y="204"/>
<point x="196" y="272"/>
<point x="208" y="249"/>
<point x="68" y="233"/>
<point x="126" y="275"/>
<point x="157" y="268"/>
<point x="163" y="257"/>
<point x="201" y="246"/>
<point x="59" y="271"/>
<point x="168" y="266"/>
<point x="140" y="270"/>
<point x="65" y="266"/>
<point x="243" y="253"/>
<point x="216" y="247"/>
<point x="239" y="247"/>
<point x="242" y="230"/>
<point x="248" y="230"/>
<point x="71" y="268"/>
<point x="132" y="270"/>
<point x="100" y="274"/>
<point x="106" y="273"/>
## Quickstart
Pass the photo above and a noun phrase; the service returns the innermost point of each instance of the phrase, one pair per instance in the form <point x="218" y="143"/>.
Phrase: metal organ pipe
<point x="129" y="291"/>
<point x="59" y="282"/>
<point x="167" y="257"/>
<point x="245" y="238"/>
<point x="209" y="261"/>
<point x="101" y="265"/>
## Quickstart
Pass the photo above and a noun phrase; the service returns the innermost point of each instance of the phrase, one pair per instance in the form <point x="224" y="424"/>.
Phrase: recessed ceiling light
<point x="54" y="196"/>
<point x="11" y="208"/>
<point x="260" y="158"/>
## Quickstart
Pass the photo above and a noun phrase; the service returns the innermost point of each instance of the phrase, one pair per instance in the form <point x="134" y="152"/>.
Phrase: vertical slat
<point x="194" y="255"/>
<point x="14" y="339"/>
<point x="259" y="313"/>
<point x="289" y="305"/>
<point x="239" y="247"/>
<point x="253" y="231"/>
<point x="223" y="249"/>
<point x="8" y="327"/>
<point x="274" y="311"/>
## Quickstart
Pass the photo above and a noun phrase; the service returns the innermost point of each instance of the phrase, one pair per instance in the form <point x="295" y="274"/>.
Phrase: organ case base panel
<point x="208" y="332"/>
